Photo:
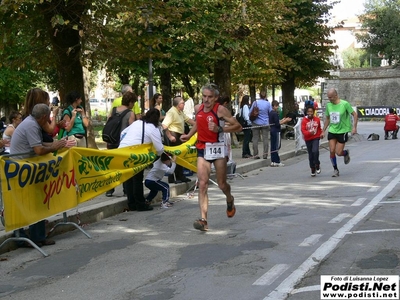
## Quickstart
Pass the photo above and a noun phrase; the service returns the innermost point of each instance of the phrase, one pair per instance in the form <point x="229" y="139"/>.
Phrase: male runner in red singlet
<point x="210" y="119"/>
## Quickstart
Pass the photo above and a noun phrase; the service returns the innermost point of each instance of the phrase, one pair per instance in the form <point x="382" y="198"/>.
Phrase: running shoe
<point x="335" y="173"/>
<point x="318" y="170"/>
<point x="273" y="164"/>
<point x="279" y="165"/>
<point x="312" y="172"/>
<point x="166" y="205"/>
<point x="347" y="157"/>
<point x="230" y="208"/>
<point x="201" y="224"/>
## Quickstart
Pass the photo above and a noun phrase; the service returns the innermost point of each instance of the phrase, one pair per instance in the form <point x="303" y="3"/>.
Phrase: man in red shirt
<point x="391" y="124"/>
<point x="210" y="128"/>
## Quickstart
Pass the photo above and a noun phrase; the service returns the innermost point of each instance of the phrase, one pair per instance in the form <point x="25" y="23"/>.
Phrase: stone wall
<point x="366" y="87"/>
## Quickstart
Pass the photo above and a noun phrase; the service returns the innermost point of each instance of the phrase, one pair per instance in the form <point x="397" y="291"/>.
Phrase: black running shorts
<point x="340" y="137"/>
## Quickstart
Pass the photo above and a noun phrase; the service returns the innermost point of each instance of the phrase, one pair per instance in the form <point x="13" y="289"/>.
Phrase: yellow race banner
<point x="186" y="154"/>
<point x="36" y="188"/>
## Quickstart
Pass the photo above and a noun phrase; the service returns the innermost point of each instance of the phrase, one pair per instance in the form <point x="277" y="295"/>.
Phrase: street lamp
<point x="146" y="12"/>
<point x="151" y="83"/>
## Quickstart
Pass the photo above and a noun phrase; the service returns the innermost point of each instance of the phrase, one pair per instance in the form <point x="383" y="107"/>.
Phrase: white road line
<point x="373" y="189"/>
<point x="359" y="202"/>
<point x="339" y="218"/>
<point x="389" y="202"/>
<point x="386" y="178"/>
<point x="311" y="288"/>
<point x="374" y="231"/>
<point x="395" y="170"/>
<point x="326" y="248"/>
<point x="272" y="274"/>
<point x="311" y="240"/>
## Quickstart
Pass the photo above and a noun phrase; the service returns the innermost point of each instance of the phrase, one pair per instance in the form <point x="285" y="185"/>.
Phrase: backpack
<point x="112" y="130"/>
<point x="373" y="137"/>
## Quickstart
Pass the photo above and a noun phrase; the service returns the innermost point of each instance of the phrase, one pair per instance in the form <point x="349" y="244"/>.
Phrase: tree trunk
<point x="188" y="86"/>
<point x="166" y="89"/>
<point x="139" y="91"/>
<point x="252" y="87"/>
<point x="222" y="76"/>
<point x="288" y="102"/>
<point x="273" y="93"/>
<point x="135" y="85"/>
<point x="91" y="138"/>
<point x="66" y="44"/>
<point x="124" y="78"/>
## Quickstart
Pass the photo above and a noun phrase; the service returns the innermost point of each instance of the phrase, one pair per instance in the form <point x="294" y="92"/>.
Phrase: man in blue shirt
<point x="261" y="124"/>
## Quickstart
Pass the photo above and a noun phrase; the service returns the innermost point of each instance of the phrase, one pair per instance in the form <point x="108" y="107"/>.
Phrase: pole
<point x="151" y="83"/>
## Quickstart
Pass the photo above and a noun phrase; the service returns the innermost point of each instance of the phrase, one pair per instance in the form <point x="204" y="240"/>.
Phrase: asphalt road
<point x="289" y="230"/>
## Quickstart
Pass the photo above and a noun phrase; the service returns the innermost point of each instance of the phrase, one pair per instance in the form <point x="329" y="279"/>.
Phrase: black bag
<point x="373" y="137"/>
<point x="112" y="130"/>
<point x="241" y="119"/>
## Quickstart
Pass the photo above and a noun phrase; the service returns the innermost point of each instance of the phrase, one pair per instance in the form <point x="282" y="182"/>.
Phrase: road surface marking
<point x="395" y="170"/>
<point x="311" y="240"/>
<point x="272" y="274"/>
<point x="386" y="178"/>
<point x="359" y="202"/>
<point x="374" y="231"/>
<point x="373" y="189"/>
<point x="389" y="202"/>
<point x="287" y="286"/>
<point x="339" y="218"/>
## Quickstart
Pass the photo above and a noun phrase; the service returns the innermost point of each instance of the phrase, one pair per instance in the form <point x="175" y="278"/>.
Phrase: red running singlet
<point x="204" y="135"/>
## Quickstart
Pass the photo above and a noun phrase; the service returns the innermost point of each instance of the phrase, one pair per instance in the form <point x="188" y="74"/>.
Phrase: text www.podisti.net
<point x="359" y="287"/>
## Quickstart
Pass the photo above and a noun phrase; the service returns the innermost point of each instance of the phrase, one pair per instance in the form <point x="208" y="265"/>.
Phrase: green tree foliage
<point x="52" y="34"/>
<point x="355" y="58"/>
<point x="191" y="41"/>
<point x="13" y="86"/>
<point x="308" y="48"/>
<point x="259" y="51"/>
<point x="36" y="38"/>
<point x="381" y="21"/>
<point x="23" y="54"/>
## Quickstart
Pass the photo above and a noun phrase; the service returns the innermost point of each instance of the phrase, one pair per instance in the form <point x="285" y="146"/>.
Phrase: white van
<point x="300" y="96"/>
<point x="97" y="103"/>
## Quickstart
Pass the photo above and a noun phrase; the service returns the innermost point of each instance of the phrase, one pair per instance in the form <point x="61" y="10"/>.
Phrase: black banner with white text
<point x="375" y="111"/>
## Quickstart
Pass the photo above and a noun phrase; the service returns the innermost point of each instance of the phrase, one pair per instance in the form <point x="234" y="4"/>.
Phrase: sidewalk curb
<point x="116" y="205"/>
